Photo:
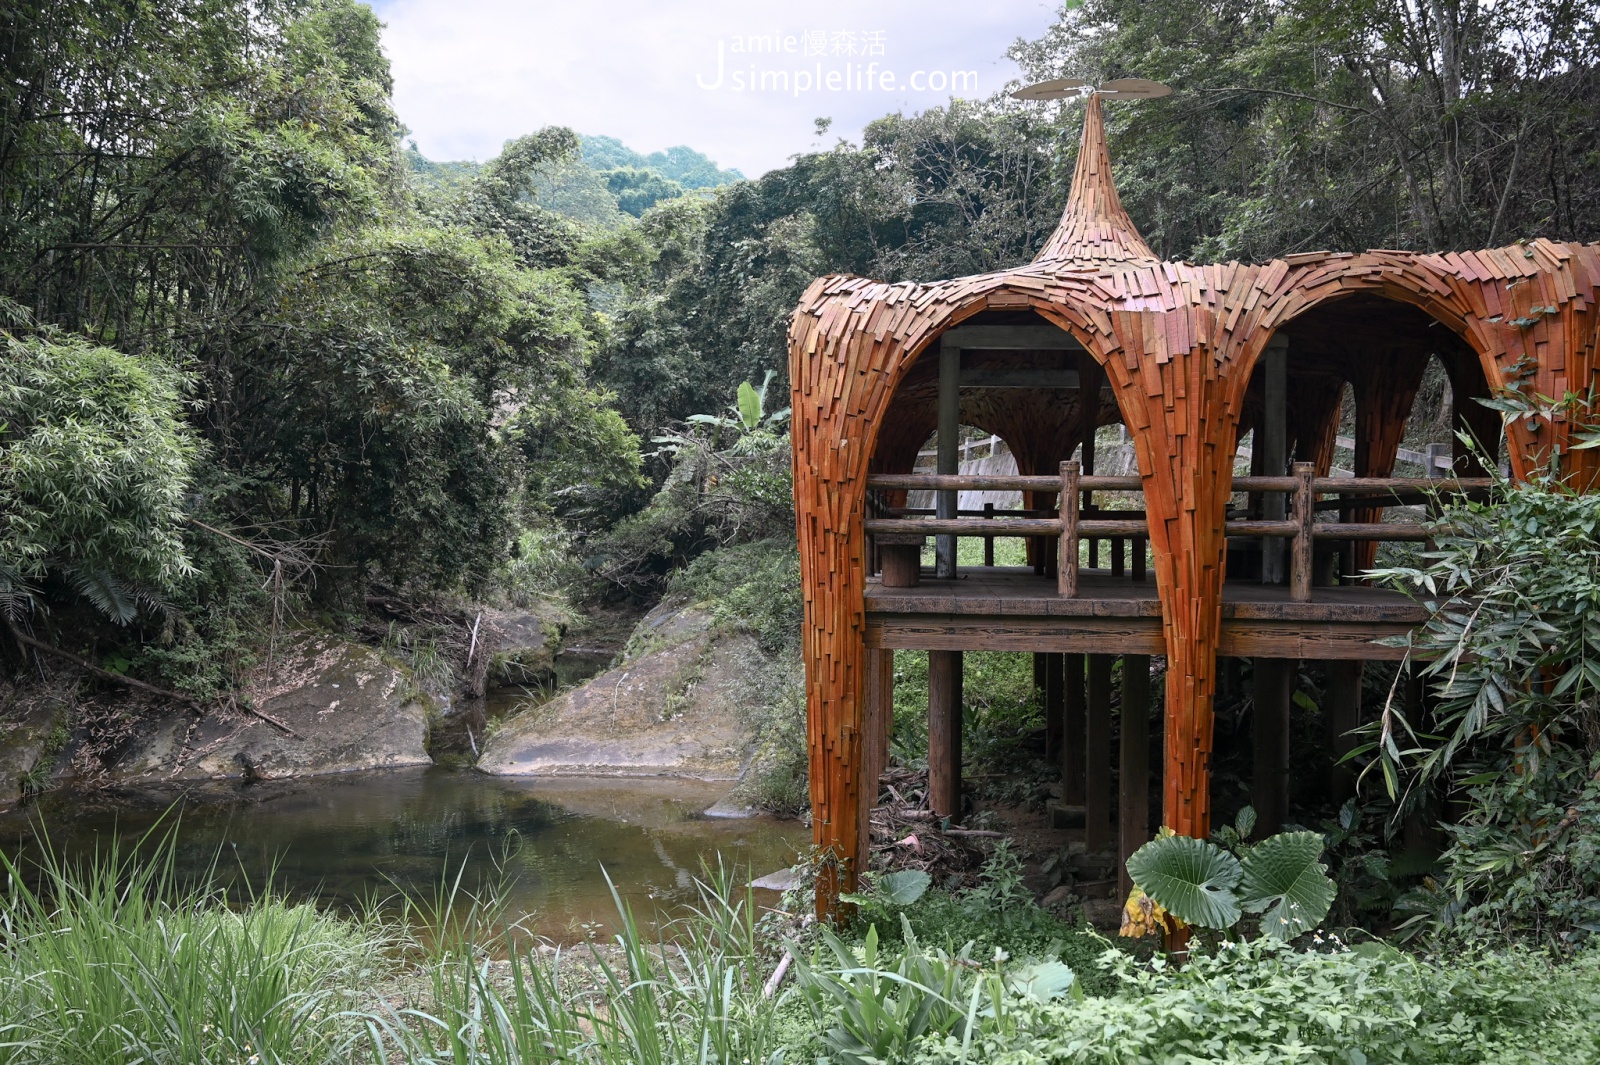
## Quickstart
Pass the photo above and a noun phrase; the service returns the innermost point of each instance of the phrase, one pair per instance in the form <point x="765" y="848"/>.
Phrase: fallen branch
<point x="139" y="685"/>
<point x="263" y="715"/>
<point x="777" y="976"/>
<point x="974" y="832"/>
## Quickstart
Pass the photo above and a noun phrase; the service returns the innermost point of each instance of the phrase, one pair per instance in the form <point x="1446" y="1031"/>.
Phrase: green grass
<point x="114" y="961"/>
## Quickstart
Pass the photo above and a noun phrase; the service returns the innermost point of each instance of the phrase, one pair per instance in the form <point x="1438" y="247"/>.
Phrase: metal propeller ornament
<point x="1118" y="89"/>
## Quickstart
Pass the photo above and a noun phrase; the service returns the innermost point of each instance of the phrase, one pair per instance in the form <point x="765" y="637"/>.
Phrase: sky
<point x="741" y="80"/>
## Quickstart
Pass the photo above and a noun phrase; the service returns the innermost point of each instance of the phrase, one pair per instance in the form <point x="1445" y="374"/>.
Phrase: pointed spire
<point x="1094" y="226"/>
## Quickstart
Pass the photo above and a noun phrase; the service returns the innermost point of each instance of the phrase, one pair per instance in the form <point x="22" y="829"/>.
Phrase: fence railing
<point x="1075" y="519"/>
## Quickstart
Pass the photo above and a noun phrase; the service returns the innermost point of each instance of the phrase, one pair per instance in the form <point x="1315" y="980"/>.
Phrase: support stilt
<point x="1097" y="765"/>
<point x="1269" y="792"/>
<point x="944" y="732"/>
<point x="1050" y="670"/>
<point x="1072" y="730"/>
<point x="1133" y="782"/>
<point x="1344" y="714"/>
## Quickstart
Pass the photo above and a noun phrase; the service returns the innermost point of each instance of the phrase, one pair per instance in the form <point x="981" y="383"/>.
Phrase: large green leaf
<point x="903" y="888"/>
<point x="1281" y="875"/>
<point x="1190" y="878"/>
<point x="749" y="405"/>
<point x="1043" y="980"/>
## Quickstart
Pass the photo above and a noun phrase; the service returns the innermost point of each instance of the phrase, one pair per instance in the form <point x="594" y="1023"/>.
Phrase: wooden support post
<point x="1133" y="756"/>
<point x="902" y="559"/>
<point x="949" y="460"/>
<point x="1273" y="440"/>
<point x="944" y="732"/>
<point x="1304" y="515"/>
<point x="1067" y="546"/>
<point x="1138" y="558"/>
<point x="1344" y="714"/>
<point x="1273" y="689"/>
<point x="1053" y="678"/>
<point x="1087" y="502"/>
<point x="1097" y="762"/>
<point x="1072" y="730"/>
<point x="988" y="541"/>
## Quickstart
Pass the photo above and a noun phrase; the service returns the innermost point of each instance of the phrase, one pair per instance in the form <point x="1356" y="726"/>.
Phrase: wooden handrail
<point x="1285" y="530"/>
<point x="1332" y="485"/>
<point x="973" y="482"/>
<point x="1070" y="526"/>
<point x="967" y="526"/>
<point x="968" y="482"/>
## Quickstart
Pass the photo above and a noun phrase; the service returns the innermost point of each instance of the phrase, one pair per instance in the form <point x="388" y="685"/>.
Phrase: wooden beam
<point x="1097" y="757"/>
<point x="1133" y="770"/>
<point x="1072" y="729"/>
<point x="1011" y="338"/>
<point x="1017" y="377"/>
<point x="1244" y="638"/>
<point x="1273" y="690"/>
<point x="944" y="732"/>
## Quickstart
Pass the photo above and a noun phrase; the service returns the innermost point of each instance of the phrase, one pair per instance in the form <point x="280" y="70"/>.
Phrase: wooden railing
<point x="1075" y="522"/>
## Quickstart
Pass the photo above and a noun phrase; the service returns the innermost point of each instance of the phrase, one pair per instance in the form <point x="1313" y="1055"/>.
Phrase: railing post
<point x="1440" y="461"/>
<point x="1067" y="546"/>
<point x="988" y="541"/>
<point x="1304" y="514"/>
<point x="949" y="459"/>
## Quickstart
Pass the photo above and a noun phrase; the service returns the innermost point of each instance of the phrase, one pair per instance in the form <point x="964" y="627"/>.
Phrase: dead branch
<point x="139" y="685"/>
<point x="264" y="716"/>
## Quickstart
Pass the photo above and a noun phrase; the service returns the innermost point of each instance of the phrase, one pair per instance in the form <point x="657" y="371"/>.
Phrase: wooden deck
<point x="1012" y="609"/>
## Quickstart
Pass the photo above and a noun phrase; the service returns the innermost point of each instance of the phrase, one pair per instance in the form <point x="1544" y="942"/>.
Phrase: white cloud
<point x="469" y="74"/>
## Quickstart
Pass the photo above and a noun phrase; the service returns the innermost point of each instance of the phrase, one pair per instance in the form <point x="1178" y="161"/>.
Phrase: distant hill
<point x="608" y="181"/>
<point x="689" y="168"/>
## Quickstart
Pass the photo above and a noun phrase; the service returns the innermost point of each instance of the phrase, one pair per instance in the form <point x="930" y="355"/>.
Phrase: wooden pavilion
<point x="1189" y="358"/>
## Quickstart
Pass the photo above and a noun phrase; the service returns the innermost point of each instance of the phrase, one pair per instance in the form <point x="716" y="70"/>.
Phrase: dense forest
<point x="267" y="368"/>
<point x="448" y="378"/>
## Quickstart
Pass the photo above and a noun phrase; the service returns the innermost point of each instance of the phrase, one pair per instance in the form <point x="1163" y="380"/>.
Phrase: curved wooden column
<point x="1176" y="403"/>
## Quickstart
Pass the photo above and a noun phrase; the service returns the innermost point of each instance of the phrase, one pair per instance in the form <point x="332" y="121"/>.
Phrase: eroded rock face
<point x="33" y="730"/>
<point x="522" y="645"/>
<point x="671" y="709"/>
<point x="348" y="707"/>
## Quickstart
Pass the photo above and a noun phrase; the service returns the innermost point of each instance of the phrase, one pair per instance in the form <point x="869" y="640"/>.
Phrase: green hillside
<point x="607" y="181"/>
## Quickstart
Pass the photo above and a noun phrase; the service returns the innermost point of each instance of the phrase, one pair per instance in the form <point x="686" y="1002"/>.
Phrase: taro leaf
<point x="1283" y="877"/>
<point x="1041" y="981"/>
<point x="1193" y="880"/>
<point x="903" y="888"/>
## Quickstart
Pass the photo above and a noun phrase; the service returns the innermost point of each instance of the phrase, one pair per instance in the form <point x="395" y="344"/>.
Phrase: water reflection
<point x="352" y="838"/>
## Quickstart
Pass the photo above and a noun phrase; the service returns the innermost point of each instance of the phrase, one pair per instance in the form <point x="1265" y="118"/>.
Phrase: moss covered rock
<point x="343" y="706"/>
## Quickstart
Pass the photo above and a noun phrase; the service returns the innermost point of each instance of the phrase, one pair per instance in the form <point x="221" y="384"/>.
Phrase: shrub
<point x="94" y="463"/>
<point x="1263" y="1003"/>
